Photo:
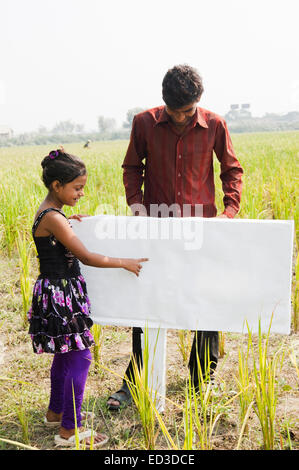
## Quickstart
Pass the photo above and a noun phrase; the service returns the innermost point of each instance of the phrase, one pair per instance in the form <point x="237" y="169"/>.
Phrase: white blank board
<point x="202" y="274"/>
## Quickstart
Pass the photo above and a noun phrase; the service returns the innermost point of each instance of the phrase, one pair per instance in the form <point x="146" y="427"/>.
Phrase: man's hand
<point x="78" y="216"/>
<point x="222" y="216"/>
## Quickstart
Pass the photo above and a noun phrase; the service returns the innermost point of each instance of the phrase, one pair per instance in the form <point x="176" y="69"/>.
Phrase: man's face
<point x="181" y="116"/>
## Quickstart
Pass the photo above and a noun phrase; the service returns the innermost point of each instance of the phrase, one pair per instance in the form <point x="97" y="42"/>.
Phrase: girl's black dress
<point x="59" y="316"/>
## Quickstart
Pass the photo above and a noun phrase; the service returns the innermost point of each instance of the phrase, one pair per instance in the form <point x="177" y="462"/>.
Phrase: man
<point x="171" y="153"/>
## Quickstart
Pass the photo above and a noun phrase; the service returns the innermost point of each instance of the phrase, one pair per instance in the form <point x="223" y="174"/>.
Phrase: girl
<point x="59" y="316"/>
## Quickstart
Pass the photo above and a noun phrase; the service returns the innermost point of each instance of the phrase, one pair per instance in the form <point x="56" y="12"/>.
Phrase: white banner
<point x="202" y="274"/>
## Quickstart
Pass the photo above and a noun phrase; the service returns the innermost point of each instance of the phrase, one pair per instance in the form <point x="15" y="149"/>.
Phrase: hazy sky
<point x="78" y="59"/>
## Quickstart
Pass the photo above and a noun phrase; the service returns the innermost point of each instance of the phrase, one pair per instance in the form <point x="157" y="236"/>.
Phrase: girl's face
<point x="70" y="193"/>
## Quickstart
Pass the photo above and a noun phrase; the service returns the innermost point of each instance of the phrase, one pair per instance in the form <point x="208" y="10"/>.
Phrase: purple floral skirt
<point x="59" y="316"/>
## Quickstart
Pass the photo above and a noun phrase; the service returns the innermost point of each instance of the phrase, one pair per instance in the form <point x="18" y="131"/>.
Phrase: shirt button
<point x="179" y="174"/>
<point x="180" y="156"/>
<point x="179" y="193"/>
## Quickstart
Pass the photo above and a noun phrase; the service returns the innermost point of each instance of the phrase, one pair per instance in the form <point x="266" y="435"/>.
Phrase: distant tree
<point x="291" y="116"/>
<point x="106" y="124"/>
<point x="42" y="130"/>
<point x="79" y="128"/>
<point x="130" y="116"/>
<point x="64" y="127"/>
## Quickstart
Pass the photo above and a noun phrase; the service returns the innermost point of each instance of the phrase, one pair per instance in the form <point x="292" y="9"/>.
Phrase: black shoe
<point x="123" y="396"/>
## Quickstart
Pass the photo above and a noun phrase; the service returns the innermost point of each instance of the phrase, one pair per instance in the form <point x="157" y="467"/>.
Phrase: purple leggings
<point x="69" y="372"/>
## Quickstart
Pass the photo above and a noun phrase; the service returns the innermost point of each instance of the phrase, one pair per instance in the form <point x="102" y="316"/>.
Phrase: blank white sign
<point x="202" y="274"/>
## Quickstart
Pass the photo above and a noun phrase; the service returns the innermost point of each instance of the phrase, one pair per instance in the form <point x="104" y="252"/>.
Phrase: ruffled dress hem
<point x="59" y="316"/>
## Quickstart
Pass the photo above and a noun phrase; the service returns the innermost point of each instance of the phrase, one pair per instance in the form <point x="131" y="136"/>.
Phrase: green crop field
<point x="255" y="402"/>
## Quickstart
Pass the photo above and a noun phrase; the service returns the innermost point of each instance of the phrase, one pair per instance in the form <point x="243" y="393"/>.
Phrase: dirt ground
<point x="25" y="387"/>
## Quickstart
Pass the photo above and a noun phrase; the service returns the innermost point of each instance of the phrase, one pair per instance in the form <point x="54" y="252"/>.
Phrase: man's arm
<point x="133" y="167"/>
<point x="231" y="170"/>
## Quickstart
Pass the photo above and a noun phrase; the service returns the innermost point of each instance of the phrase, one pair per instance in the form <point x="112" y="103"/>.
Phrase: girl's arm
<point x="57" y="225"/>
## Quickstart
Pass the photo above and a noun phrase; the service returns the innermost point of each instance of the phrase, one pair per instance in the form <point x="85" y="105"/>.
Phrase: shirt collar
<point x="163" y="116"/>
<point x="198" y="119"/>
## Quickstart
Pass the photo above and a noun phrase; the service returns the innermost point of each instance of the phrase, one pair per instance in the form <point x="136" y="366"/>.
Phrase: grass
<point x="144" y="397"/>
<point x="24" y="248"/>
<point x="98" y="335"/>
<point x="245" y="384"/>
<point x="255" y="402"/>
<point x="184" y="345"/>
<point x="266" y="390"/>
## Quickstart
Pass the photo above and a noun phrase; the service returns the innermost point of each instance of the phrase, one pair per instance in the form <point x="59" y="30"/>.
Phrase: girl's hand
<point x="78" y="216"/>
<point x="134" y="265"/>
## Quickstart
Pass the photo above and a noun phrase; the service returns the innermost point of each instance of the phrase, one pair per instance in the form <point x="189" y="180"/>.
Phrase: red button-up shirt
<point x="178" y="169"/>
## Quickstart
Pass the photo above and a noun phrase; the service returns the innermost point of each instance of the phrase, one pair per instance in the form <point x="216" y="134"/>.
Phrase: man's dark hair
<point x="62" y="167"/>
<point x="182" y="85"/>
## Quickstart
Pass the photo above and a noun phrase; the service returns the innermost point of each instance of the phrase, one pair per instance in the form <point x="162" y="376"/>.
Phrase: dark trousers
<point x="204" y="350"/>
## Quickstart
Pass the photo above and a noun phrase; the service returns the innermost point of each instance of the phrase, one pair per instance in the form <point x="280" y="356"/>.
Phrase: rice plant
<point x="98" y="335"/>
<point x="23" y="418"/>
<point x="292" y="356"/>
<point x="201" y="397"/>
<point x="208" y="410"/>
<point x="184" y="344"/>
<point x="244" y="382"/>
<point x="266" y="390"/>
<point x="18" y="444"/>
<point x="24" y="252"/>
<point x="221" y="344"/>
<point x="205" y="406"/>
<point x="144" y="398"/>
<point x="188" y="419"/>
<point x="81" y="445"/>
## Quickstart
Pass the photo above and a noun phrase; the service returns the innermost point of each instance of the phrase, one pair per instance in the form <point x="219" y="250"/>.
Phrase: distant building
<point x="238" y="112"/>
<point x="5" y="132"/>
<point x="244" y="111"/>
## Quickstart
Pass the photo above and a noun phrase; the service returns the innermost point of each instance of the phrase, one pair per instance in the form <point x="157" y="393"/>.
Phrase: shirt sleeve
<point x="133" y="167"/>
<point x="230" y="170"/>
